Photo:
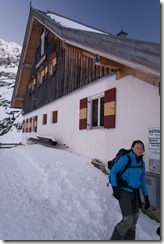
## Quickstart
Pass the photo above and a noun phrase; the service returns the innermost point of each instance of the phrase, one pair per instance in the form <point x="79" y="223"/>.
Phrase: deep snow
<point x="52" y="194"/>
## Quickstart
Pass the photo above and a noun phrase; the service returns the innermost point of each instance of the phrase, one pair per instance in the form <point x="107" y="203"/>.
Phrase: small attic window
<point x="40" y="76"/>
<point x="42" y="40"/>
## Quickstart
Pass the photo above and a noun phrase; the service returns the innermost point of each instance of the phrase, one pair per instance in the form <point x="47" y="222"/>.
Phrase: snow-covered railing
<point x="8" y="145"/>
<point x="43" y="140"/>
<point x="46" y="138"/>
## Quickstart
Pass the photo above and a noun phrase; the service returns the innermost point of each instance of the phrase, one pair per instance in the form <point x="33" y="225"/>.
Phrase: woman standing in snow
<point x="128" y="196"/>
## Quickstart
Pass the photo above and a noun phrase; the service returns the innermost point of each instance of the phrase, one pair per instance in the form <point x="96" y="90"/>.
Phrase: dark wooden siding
<point x="73" y="70"/>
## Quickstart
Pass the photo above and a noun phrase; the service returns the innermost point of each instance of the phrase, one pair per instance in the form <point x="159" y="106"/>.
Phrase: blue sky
<point x="139" y="18"/>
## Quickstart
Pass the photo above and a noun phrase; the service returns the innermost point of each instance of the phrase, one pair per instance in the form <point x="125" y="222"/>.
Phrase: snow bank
<point x="50" y="194"/>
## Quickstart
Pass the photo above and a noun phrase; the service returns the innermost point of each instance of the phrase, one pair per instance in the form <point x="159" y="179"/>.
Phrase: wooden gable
<point x="24" y="71"/>
<point x="72" y="69"/>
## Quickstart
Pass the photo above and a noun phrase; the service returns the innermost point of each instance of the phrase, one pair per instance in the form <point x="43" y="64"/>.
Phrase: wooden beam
<point x="24" y="65"/>
<point x="120" y="74"/>
<point x="18" y="104"/>
<point x="103" y="61"/>
<point x="109" y="62"/>
<point x="19" y="98"/>
<point x="125" y="70"/>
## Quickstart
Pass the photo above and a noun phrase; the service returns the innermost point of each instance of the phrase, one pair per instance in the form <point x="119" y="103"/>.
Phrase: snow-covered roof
<point x="130" y="52"/>
<point x="71" y="24"/>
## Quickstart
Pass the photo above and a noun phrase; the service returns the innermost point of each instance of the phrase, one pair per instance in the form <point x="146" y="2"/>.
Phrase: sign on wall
<point x="154" y="149"/>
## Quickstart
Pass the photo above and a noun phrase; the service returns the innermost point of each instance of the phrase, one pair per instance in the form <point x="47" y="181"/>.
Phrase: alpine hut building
<point x="93" y="91"/>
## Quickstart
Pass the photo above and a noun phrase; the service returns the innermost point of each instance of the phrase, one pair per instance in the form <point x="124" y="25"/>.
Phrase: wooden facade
<point x="74" y="69"/>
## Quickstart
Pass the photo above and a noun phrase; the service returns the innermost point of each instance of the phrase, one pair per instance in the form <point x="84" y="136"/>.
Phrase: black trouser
<point x="129" y="204"/>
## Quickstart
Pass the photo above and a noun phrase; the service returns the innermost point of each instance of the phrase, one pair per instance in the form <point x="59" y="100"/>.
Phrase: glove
<point x="158" y="231"/>
<point x="147" y="203"/>
<point x="116" y="192"/>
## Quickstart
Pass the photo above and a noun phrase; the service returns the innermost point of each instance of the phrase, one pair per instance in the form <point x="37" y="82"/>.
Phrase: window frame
<point x="55" y="117"/>
<point x="90" y="107"/>
<point x="42" y="44"/>
<point x="50" y="67"/>
<point x="44" y="119"/>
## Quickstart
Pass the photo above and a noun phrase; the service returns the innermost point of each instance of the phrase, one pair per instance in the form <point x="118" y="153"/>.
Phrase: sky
<point x="140" y="19"/>
<point x="53" y="194"/>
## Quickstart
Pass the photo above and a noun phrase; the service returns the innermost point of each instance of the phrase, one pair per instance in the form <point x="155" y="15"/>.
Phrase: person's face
<point x="138" y="149"/>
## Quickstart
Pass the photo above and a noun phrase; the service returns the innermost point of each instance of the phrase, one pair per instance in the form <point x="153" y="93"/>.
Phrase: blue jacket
<point x="135" y="177"/>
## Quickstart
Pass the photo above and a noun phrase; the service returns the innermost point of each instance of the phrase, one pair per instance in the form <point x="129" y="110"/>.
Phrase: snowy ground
<point x="50" y="194"/>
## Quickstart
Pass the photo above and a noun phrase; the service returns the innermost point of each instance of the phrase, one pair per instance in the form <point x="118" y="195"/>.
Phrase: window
<point x="44" y="119"/>
<point x="50" y="68"/>
<point x="54" y="116"/>
<point x="26" y="125"/>
<point x="102" y="111"/>
<point x="35" y="123"/>
<point x="42" y="39"/>
<point x="97" y="112"/>
<point x="30" y="125"/>
<point x="40" y="76"/>
<point x="29" y="87"/>
<point x="23" y="126"/>
<point x="33" y="83"/>
<point x="52" y="64"/>
<point x="94" y="121"/>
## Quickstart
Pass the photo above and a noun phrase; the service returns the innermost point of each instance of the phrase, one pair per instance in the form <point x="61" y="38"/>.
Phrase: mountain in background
<point x="10" y="118"/>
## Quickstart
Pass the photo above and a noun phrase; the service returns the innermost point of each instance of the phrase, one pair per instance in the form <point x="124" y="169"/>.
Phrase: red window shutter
<point x="42" y="72"/>
<point x="30" y="125"/>
<point x="46" y="70"/>
<point x="26" y="125"/>
<point x="44" y="119"/>
<point x="54" y="60"/>
<point x="23" y="126"/>
<point x="83" y="114"/>
<point x="54" y="116"/>
<point x="35" y="123"/>
<point x="110" y="108"/>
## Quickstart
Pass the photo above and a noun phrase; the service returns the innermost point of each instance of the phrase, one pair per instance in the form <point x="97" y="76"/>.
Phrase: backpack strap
<point x="127" y="165"/>
<point x="123" y="170"/>
<point x="122" y="182"/>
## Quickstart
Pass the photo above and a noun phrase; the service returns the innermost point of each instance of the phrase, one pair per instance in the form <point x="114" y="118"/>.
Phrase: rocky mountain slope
<point x="10" y="119"/>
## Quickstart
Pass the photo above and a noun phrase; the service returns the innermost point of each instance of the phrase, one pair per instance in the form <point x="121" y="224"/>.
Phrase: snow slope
<point x="51" y="194"/>
<point x="10" y="119"/>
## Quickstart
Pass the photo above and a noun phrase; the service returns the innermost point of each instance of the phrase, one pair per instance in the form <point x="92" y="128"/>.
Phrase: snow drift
<point x="51" y="194"/>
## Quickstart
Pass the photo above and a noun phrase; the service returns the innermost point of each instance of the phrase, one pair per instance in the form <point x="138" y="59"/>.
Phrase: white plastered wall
<point x="137" y="109"/>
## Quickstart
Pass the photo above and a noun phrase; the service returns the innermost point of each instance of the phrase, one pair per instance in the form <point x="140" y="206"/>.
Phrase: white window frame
<point x="89" y="111"/>
<point x="50" y="67"/>
<point x="39" y="78"/>
<point x="42" y="43"/>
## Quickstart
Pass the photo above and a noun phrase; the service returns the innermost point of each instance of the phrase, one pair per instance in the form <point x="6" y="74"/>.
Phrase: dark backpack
<point x="120" y="153"/>
<point x="112" y="162"/>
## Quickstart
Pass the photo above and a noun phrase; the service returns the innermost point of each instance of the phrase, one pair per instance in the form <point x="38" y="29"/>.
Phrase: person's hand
<point x="147" y="203"/>
<point x="116" y="192"/>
